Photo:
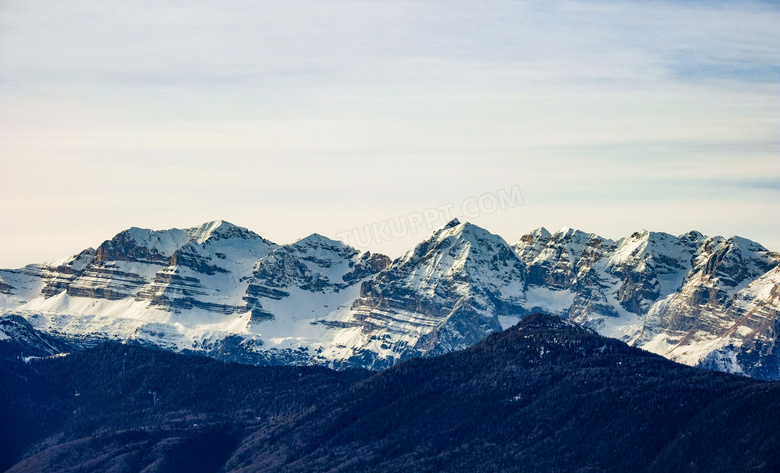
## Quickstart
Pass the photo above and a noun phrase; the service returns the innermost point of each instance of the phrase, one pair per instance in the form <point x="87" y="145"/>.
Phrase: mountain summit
<point x="442" y="295"/>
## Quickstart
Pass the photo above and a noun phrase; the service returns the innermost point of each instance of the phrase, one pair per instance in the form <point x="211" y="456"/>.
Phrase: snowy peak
<point x="444" y="294"/>
<point x="651" y="251"/>
<point x="199" y="248"/>
<point x="650" y="265"/>
<point x="571" y="235"/>
<point x="748" y="245"/>
<point x="531" y="245"/>
<point x="561" y="260"/>
<point x="540" y="233"/>
<point x="314" y="263"/>
<point x="158" y="246"/>
<point x="203" y="232"/>
<point x="455" y="228"/>
<point x="77" y="262"/>
<point x="340" y="263"/>
<point x="462" y="250"/>
<point x="692" y="238"/>
<point x="540" y="236"/>
<point x="731" y="261"/>
<point x="315" y="241"/>
<point x="461" y="242"/>
<point x="315" y="266"/>
<point x="210" y="232"/>
<point x="141" y="244"/>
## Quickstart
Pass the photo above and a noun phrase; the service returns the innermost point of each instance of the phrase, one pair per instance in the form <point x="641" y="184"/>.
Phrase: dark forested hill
<point x="128" y="407"/>
<point x="543" y="396"/>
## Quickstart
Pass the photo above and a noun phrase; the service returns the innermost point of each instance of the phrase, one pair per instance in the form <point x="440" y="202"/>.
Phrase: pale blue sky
<point x="320" y="116"/>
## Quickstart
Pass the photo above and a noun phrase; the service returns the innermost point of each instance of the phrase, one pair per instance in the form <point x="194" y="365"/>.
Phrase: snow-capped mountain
<point x="694" y="299"/>
<point x="226" y="292"/>
<point x="726" y="310"/>
<point x="445" y="294"/>
<point x="203" y="289"/>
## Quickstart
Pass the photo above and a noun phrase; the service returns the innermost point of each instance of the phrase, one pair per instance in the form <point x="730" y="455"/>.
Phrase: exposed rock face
<point x="315" y="265"/>
<point x="368" y="264"/>
<point x="164" y="268"/>
<point x="727" y="309"/>
<point x="445" y="294"/>
<point x="633" y="272"/>
<point x="571" y="261"/>
<point x="142" y="246"/>
<point x="691" y="298"/>
<point x="186" y="289"/>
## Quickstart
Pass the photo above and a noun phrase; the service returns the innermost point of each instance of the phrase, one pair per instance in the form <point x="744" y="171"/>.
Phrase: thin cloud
<point x="252" y="106"/>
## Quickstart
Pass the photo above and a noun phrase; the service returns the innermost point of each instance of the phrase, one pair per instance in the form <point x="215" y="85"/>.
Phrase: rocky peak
<point x="529" y="246"/>
<point x="144" y="245"/>
<point x="216" y="230"/>
<point x="561" y="259"/>
<point x="571" y="235"/>
<point x="322" y="251"/>
<point x="452" y="223"/>
<point x="649" y="266"/>
<point x="316" y="242"/>
<point x="368" y="264"/>
<point x="77" y="262"/>
<point x="731" y="261"/>
<point x="540" y="233"/>
<point x="692" y="238"/>
<point x="462" y="250"/>
<point x="749" y="245"/>
<point x="444" y="294"/>
<point x="650" y="250"/>
<point x="314" y="263"/>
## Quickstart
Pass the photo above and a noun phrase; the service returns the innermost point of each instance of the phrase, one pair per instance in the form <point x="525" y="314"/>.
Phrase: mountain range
<point x="223" y="291"/>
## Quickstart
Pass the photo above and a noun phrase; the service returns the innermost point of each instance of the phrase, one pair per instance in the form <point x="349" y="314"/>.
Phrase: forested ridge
<point x="542" y="396"/>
